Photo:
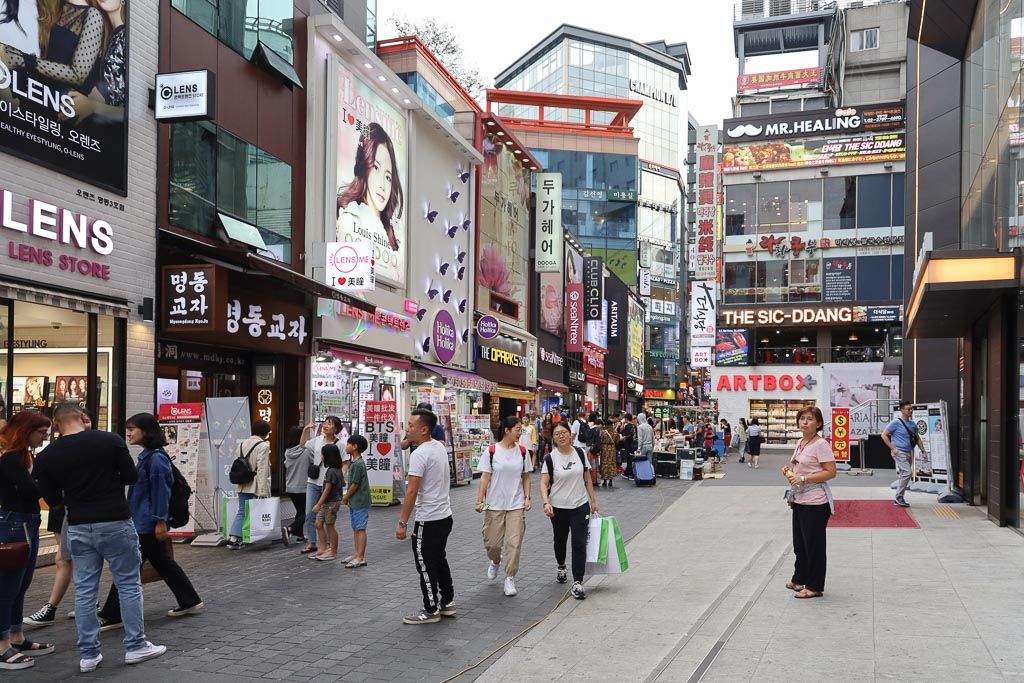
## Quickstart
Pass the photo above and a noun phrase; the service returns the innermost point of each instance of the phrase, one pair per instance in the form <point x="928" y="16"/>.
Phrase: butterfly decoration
<point x="465" y="224"/>
<point x="462" y="306"/>
<point x="460" y="255"/>
<point x="465" y="335"/>
<point x="431" y="216"/>
<point x="432" y="291"/>
<point x="453" y="194"/>
<point x="447" y="295"/>
<point x="451" y="229"/>
<point x="426" y="345"/>
<point x="462" y="174"/>
<point x="443" y="269"/>
<point x="461" y="273"/>
<point x="420" y="313"/>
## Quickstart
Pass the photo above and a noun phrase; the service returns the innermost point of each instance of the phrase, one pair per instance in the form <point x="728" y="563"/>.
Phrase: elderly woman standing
<point x="609" y="453"/>
<point x="810" y="498"/>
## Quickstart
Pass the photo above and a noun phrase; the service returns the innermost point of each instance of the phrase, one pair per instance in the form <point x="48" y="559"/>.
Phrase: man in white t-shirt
<point x="427" y="492"/>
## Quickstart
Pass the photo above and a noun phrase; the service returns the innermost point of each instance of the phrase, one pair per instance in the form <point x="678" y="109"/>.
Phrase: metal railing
<point x="766" y="9"/>
<point x="811" y="355"/>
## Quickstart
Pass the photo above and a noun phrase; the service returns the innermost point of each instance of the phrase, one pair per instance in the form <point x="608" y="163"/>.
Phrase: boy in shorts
<point x="357" y="498"/>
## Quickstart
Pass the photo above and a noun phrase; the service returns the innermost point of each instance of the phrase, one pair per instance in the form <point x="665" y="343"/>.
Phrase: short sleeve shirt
<point x="901" y="440"/>
<point x="429" y="462"/>
<point x="315" y="444"/>
<point x="357" y="475"/>
<point x="505" y="490"/>
<point x="333" y="477"/>
<point x="807" y="461"/>
<point x="568" y="490"/>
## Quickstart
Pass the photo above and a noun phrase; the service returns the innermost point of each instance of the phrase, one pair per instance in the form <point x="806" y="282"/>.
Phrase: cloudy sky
<point x="494" y="35"/>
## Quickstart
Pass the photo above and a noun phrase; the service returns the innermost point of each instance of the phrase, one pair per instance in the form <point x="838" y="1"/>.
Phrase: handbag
<point x="313" y="471"/>
<point x="15" y="555"/>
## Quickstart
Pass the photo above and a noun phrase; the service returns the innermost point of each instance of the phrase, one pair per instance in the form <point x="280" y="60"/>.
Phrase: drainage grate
<point x="945" y="512"/>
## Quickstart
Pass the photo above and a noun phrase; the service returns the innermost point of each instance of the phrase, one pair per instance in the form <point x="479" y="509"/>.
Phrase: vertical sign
<point x="181" y="424"/>
<point x="381" y="432"/>
<point x="593" y="287"/>
<point x="704" y="266"/>
<point x="703" y="298"/>
<point x="549" y="223"/>
<point x="192" y="297"/>
<point x="645" y="254"/>
<point x="841" y="434"/>
<point x="700" y="357"/>
<point x="645" y="281"/>
<point x="574" y="317"/>
<point x="614" y="335"/>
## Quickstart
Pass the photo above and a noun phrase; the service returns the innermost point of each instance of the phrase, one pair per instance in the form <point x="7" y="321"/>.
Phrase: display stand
<point x="472" y="436"/>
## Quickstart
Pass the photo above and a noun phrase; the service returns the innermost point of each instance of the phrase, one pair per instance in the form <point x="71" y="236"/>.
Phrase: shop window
<point x="203" y="12"/>
<point x="213" y="171"/>
<point x="785" y="106"/>
<point x="898" y="217"/>
<point x="740" y="215"/>
<point x="874" y="201"/>
<point x="873" y="273"/>
<point x="371" y="24"/>
<point x="773" y="207"/>
<point x="805" y="280"/>
<point x="773" y="277"/>
<point x="840" y="203"/>
<point x="805" y="205"/>
<point x="739" y="283"/>
<point x="864" y="39"/>
<point x="429" y="95"/>
<point x="897" y="277"/>
<point x="241" y="24"/>
<point x="755" y="109"/>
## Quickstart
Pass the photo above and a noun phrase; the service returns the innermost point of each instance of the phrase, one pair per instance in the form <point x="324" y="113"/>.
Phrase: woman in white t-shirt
<point x="330" y="428"/>
<point x="504" y="499"/>
<point x="528" y="440"/>
<point x="569" y="500"/>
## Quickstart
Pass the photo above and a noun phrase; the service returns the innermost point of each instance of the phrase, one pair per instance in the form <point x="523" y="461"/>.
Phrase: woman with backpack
<point x="568" y="494"/>
<point x="149" y="500"/>
<point x="255" y="452"/>
<point x="504" y="499"/>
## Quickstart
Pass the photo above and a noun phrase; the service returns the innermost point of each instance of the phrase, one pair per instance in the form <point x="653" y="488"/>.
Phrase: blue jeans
<point x="313" y="493"/>
<point x="118" y="544"/>
<point x="236" y="524"/>
<point x="14" y="584"/>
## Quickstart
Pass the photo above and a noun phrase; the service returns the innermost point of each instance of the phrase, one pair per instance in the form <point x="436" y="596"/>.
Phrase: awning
<point x="596" y="381"/>
<point x="552" y="386"/>
<point x="953" y="289"/>
<point x="366" y="358"/>
<point x="460" y="379"/>
<point x="513" y="393"/>
<point x="64" y="299"/>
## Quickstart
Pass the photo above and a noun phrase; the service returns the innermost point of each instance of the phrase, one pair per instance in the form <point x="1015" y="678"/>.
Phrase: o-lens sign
<point x="184" y="95"/>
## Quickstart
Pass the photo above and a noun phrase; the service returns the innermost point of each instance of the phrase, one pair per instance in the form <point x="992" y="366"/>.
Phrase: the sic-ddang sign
<point x="808" y="315"/>
<point x="801" y="124"/>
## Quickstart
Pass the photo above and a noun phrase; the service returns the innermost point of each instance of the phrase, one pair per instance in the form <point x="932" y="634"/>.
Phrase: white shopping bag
<point x="262" y="520"/>
<point x="611" y="554"/>
<point x="594" y="538"/>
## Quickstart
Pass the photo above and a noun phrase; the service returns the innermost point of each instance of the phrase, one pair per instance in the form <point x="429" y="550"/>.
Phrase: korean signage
<point x="732" y="347"/>
<point x="663" y="394"/>
<point x="622" y="195"/>
<point x="181" y="424"/>
<point x="64" y="90"/>
<point x="840" y="274"/>
<point x="700" y="357"/>
<point x="549" y="223"/>
<point x="350" y="266"/>
<point x="774" y="156"/>
<point x="381" y="431"/>
<point x="265" y="324"/>
<point x="185" y="96"/>
<point x="371" y="173"/>
<point x="191" y="298"/>
<point x="765" y="382"/>
<point x="770" y="80"/>
<point x="841" y="434"/>
<point x="706" y="256"/>
<point x="785" y="246"/>
<point x="703" y="302"/>
<point x="593" y="287"/>
<point x="809" y="315"/>
<point x="818" y="122"/>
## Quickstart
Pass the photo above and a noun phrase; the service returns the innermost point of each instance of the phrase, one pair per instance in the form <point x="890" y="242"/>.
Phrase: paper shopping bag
<point x="611" y="551"/>
<point x="594" y="538"/>
<point x="262" y="519"/>
<point x="228" y="509"/>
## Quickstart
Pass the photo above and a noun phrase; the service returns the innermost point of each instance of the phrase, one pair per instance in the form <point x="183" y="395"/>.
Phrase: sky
<point x="494" y="35"/>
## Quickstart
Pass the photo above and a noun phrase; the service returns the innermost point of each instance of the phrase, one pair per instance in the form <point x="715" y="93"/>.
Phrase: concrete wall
<point x="877" y="75"/>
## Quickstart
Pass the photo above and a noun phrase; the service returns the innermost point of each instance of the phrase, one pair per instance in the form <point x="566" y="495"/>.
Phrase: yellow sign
<point x="381" y="495"/>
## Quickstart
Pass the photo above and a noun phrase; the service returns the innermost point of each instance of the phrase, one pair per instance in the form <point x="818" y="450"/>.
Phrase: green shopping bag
<point x="611" y="550"/>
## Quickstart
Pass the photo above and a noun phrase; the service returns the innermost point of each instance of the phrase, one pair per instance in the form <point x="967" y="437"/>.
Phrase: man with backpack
<point x="901" y="436"/>
<point x="250" y="473"/>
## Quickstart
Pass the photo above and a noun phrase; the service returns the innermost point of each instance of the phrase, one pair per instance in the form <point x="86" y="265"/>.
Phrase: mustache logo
<point x="744" y="129"/>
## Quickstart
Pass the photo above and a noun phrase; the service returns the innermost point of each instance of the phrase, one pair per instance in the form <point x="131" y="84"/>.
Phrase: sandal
<point x="13" y="660"/>
<point x="308" y="549"/>
<point x="794" y="586"/>
<point x="806" y="594"/>
<point x="35" y="649"/>
<point x="355" y="565"/>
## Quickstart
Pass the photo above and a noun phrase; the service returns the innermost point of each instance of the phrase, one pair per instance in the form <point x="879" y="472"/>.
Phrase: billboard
<point x="706" y="251"/>
<point x="732" y="347"/>
<point x="770" y="80"/>
<point x="779" y="155"/>
<point x="843" y="121"/>
<point x="64" y="88"/>
<point x="371" y="174"/>
<point x="703" y="303"/>
<point x="635" y="348"/>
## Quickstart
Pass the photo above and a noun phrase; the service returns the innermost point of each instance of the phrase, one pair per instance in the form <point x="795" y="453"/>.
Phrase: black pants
<point x="170" y="571"/>
<point x="429" y="546"/>
<point x="809" y="524"/>
<point x="299" y="501"/>
<point x="627" y="460"/>
<point x="577" y="521"/>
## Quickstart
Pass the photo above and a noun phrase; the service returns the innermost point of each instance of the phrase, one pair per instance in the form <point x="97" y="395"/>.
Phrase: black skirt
<point x="754" y="445"/>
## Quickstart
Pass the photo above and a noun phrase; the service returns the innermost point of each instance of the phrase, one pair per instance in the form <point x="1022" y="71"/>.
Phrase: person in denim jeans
<point x="330" y="432"/>
<point x="87" y="471"/>
<point x="19" y="521"/>
<point x="257" y="450"/>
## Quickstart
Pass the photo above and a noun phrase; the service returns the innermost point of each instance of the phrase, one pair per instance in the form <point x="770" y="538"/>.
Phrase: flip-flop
<point x="326" y="558"/>
<point x="349" y="559"/>
<point x="307" y="551"/>
<point x="34" y="649"/>
<point x="794" y="586"/>
<point x="354" y="565"/>
<point x="811" y="594"/>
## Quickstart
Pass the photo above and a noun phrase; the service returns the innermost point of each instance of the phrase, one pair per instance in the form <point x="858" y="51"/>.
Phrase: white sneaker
<point x="147" y="651"/>
<point x="492" y="571"/>
<point x="88" y="664"/>
<point x="510" y="586"/>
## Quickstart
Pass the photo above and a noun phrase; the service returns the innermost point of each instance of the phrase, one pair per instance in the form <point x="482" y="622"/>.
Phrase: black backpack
<point x="241" y="471"/>
<point x="177" y="505"/>
<point x="586" y="432"/>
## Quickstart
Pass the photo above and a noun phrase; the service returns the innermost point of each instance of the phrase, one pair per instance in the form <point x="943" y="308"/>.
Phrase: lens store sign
<point x="350" y="266"/>
<point x="185" y="96"/>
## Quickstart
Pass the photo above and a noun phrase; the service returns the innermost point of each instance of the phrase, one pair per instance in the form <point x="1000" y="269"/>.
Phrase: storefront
<point x="634" y="395"/>
<point x="594" y="371"/>
<point x="506" y="359"/>
<point x="773" y="397"/>
<point x="551" y="389"/>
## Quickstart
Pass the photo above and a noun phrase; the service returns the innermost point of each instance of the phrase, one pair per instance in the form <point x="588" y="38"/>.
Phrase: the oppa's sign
<point x="765" y="382"/>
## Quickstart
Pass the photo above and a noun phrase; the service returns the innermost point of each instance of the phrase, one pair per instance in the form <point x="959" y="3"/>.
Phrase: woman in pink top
<point x="812" y="465"/>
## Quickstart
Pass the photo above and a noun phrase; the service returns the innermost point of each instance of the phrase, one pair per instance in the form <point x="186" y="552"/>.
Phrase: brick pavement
<point x="272" y="614"/>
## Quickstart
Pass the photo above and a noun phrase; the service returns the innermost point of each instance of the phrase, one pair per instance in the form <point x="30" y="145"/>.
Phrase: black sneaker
<point x="424" y="617"/>
<point x="561" y="576"/>
<point x="109" y="625"/>
<point x="900" y="502"/>
<point x="44" y="617"/>
<point x="578" y="591"/>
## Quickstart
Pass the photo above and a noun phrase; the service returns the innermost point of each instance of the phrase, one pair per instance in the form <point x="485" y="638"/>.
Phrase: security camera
<point x="56" y="324"/>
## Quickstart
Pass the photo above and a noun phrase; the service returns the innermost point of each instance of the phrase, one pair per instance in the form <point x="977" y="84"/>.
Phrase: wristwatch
<point x="404" y="525"/>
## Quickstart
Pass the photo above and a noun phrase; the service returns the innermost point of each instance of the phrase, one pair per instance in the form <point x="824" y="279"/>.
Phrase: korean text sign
<point x="549" y="223"/>
<point x="703" y="301"/>
<point x="381" y="431"/>
<point x="706" y="257"/>
<point x="190" y="300"/>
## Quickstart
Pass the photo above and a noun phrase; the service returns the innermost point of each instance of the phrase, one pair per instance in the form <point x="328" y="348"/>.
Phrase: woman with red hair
<point x="19" y="521"/>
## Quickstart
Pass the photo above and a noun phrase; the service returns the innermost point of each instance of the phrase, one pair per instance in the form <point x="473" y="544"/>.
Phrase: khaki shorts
<point x="328" y="514"/>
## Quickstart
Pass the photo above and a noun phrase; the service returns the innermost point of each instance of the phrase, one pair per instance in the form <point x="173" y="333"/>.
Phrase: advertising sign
<point x="645" y="281"/>
<point x="732" y="347"/>
<point x="614" y="323"/>
<point x="574" y="318"/>
<point x="663" y="266"/>
<point x="444" y="338"/>
<point x="841" y="434"/>
<point x="487" y="327"/>
<point x="185" y="96"/>
<point x="551" y="306"/>
<point x="350" y="265"/>
<point x="775" y="156"/>
<point x="381" y="431"/>
<point x="597" y="330"/>
<point x="846" y="120"/>
<point x="771" y="80"/>
<point x="593" y="287"/>
<point x="932" y="427"/>
<point x="64" y="92"/>
<point x="840" y="274"/>
<point x="549" y="223"/>
<point x="192" y="298"/>
<point x="706" y="251"/>
<point x="645" y="253"/>
<point x="182" y="424"/>
<point x="371" y="173"/>
<point x="700" y="357"/>
<point x="853" y="384"/>
<point x="703" y="303"/>
<point x="635" y="350"/>
<point x="802" y="315"/>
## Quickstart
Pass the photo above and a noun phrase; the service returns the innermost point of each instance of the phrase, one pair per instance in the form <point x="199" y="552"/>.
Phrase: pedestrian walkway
<point x="704" y="598"/>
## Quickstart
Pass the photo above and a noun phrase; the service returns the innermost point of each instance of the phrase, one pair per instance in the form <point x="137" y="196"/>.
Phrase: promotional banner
<point x="646" y="253"/>
<point x="843" y="121"/>
<point x="64" y="88"/>
<point x="700" y="357"/>
<point x="551" y="306"/>
<point x="549" y="223"/>
<point x="182" y="424"/>
<point x="840" y="274"/>
<point x="703" y="303"/>
<point x="663" y="266"/>
<point x="775" y="156"/>
<point x="593" y="287"/>
<point x="381" y="431"/>
<point x="706" y="256"/>
<point x="350" y="265"/>
<point x="931" y="422"/>
<point x="771" y="80"/>
<point x="732" y="347"/>
<point x="635" y="350"/>
<point x="371" y="174"/>
<point x="853" y="384"/>
<point x="841" y="434"/>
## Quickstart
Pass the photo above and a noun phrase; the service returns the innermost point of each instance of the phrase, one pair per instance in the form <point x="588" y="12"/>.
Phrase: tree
<point x="442" y="41"/>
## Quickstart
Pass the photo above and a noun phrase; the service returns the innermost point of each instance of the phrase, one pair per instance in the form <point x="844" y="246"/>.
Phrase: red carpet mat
<point x="871" y="514"/>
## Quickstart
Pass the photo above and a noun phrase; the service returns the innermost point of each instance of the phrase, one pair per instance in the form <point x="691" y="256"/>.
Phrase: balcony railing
<point x="810" y="355"/>
<point x="767" y="9"/>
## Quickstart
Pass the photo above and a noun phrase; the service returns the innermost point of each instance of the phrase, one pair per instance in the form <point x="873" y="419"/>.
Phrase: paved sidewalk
<point x="704" y="598"/>
<point x="272" y="614"/>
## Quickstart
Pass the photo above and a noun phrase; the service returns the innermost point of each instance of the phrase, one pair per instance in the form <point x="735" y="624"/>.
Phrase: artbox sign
<point x="593" y="287"/>
<point x="549" y="223"/>
<point x="703" y="301"/>
<point x="869" y="119"/>
<point x="706" y="251"/>
<point x="185" y="96"/>
<point x="700" y="357"/>
<point x="766" y="382"/>
<point x="350" y="265"/>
